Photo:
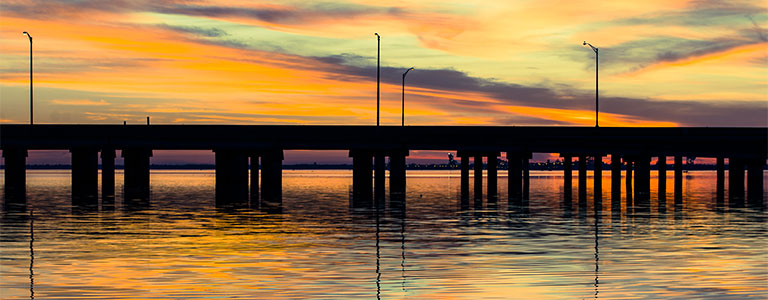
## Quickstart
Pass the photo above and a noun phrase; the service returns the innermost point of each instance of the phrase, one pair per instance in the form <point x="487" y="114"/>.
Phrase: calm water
<point x="182" y="247"/>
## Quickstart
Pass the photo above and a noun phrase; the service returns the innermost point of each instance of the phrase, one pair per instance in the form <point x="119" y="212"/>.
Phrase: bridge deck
<point x="703" y="142"/>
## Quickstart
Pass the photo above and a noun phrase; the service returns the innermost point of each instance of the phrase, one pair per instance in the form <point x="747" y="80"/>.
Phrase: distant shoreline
<point x="533" y="166"/>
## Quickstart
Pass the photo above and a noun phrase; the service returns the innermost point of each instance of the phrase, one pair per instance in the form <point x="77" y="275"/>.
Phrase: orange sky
<point x="662" y="63"/>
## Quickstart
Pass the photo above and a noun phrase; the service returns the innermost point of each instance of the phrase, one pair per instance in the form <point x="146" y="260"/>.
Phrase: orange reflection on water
<point x="320" y="247"/>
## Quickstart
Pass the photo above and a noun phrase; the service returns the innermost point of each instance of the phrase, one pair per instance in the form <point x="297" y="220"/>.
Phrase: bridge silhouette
<point x="260" y="147"/>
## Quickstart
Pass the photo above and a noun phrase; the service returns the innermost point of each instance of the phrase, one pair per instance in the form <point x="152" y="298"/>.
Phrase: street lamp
<point x="31" y="111"/>
<point x="596" y="103"/>
<point x="378" y="74"/>
<point x="403" y="109"/>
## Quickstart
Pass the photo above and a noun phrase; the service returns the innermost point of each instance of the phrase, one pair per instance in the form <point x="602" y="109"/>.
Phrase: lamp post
<point x="31" y="111"/>
<point x="403" y="109"/>
<point x="378" y="74"/>
<point x="596" y="103"/>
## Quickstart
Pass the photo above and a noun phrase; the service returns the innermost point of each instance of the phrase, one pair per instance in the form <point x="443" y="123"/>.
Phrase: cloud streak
<point x="79" y="102"/>
<point x="699" y="15"/>
<point x="196" y="30"/>
<point x="282" y="14"/>
<point x="636" y="55"/>
<point x="687" y="113"/>
<point x="200" y="60"/>
<point x="270" y="13"/>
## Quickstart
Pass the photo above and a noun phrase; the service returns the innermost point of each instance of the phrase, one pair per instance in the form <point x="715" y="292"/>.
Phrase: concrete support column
<point x="615" y="181"/>
<point x="379" y="178"/>
<point x="678" y="179"/>
<point x="526" y="179"/>
<point x="15" y="189"/>
<point x="515" y="178"/>
<point x="272" y="180"/>
<point x="85" y="177"/>
<point x="582" y="181"/>
<point x="735" y="182"/>
<point x="492" y="178"/>
<point x="254" y="180"/>
<point x="720" y="186"/>
<point x="643" y="182"/>
<point x="397" y="180"/>
<point x="464" y="179"/>
<point x="661" y="165"/>
<point x="231" y="178"/>
<point x="628" y="183"/>
<point x="597" y="178"/>
<point x="478" y="180"/>
<point x="136" y="175"/>
<point x="108" y="177"/>
<point x="362" y="182"/>
<point x="567" y="180"/>
<point x="755" y="182"/>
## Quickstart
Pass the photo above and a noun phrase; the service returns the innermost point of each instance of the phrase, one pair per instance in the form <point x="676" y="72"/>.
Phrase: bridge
<point x="260" y="147"/>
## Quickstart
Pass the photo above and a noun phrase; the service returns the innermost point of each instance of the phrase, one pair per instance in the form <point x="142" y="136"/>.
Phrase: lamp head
<point x="25" y="33"/>
<point x="377" y="34"/>
<point x="590" y="46"/>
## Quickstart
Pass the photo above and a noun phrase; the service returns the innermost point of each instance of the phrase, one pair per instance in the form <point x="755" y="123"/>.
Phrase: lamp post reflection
<point x="402" y="248"/>
<point x="378" y="256"/>
<point x="31" y="255"/>
<point x="597" y="251"/>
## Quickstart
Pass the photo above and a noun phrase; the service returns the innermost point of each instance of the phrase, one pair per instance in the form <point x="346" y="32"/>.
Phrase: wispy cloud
<point x="689" y="113"/>
<point x="718" y="26"/>
<point x="306" y="13"/>
<point x="701" y="13"/>
<point x="205" y="51"/>
<point x="196" y="30"/>
<point x="638" y="54"/>
<point x="267" y="12"/>
<point x="80" y="102"/>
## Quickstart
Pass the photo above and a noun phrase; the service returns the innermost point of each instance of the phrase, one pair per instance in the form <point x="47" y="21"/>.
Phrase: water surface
<point x="318" y="247"/>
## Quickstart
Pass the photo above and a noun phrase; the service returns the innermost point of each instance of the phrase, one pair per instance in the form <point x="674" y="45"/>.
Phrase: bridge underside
<point x="262" y="147"/>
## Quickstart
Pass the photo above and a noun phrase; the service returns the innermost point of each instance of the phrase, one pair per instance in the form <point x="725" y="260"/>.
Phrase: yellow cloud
<point x="80" y="102"/>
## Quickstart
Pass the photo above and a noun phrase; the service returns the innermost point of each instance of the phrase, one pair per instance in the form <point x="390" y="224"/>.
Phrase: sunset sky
<point x="662" y="63"/>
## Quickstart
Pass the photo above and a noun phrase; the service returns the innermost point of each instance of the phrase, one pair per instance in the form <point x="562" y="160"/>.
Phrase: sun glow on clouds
<point x="83" y="102"/>
<point x="477" y="63"/>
